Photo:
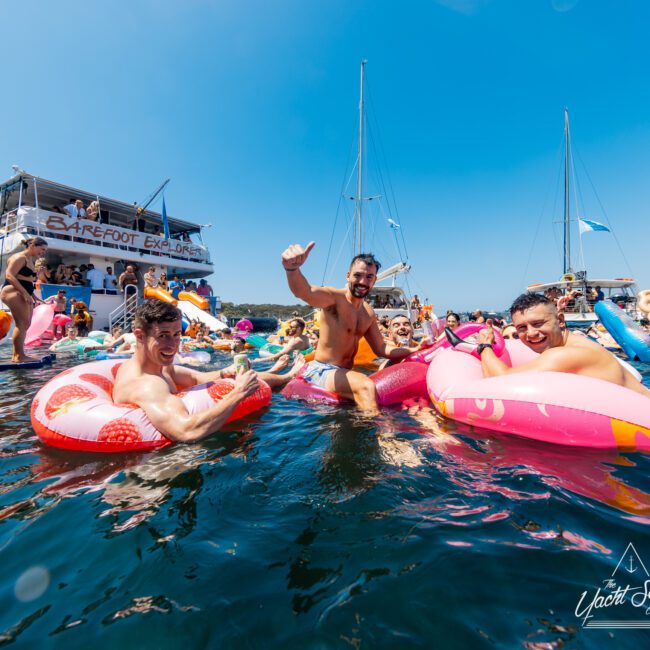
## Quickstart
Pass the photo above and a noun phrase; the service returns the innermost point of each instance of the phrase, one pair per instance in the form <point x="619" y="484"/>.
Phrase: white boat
<point x="122" y="234"/>
<point x="575" y="286"/>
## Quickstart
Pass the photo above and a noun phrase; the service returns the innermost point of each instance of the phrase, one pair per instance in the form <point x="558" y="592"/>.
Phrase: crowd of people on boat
<point x="83" y="275"/>
<point x="582" y="300"/>
<point x="75" y="209"/>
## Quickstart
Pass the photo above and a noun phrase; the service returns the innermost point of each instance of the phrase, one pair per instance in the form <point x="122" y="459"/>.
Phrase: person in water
<point x="150" y="378"/>
<point x="346" y="317"/>
<point x="120" y="342"/>
<point x="542" y="328"/>
<point x="295" y="341"/>
<point x="18" y="292"/>
<point x="70" y="337"/>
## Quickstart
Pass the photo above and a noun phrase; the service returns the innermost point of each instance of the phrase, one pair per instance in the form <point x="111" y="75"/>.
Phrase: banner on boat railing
<point x="94" y="232"/>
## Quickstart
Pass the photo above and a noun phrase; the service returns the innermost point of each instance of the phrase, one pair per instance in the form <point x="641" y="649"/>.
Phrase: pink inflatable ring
<point x="75" y="410"/>
<point x="463" y="331"/>
<point x="556" y="407"/>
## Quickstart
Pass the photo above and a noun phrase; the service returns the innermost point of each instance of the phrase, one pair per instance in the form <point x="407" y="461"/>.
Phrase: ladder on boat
<point x="123" y="314"/>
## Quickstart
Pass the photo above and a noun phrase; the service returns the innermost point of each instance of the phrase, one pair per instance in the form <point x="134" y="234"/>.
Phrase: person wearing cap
<point x="82" y="319"/>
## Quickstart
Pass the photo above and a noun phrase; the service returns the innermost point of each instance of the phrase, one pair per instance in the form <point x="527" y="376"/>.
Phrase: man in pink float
<point x="541" y="328"/>
<point x="150" y="378"/>
<point x="346" y="317"/>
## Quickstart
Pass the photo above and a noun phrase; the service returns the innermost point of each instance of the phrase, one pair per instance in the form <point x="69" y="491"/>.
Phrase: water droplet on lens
<point x="32" y="584"/>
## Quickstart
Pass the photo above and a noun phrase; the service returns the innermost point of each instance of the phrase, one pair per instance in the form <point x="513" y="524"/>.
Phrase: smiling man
<point x="150" y="378"/>
<point x="346" y="317"/>
<point x="543" y="330"/>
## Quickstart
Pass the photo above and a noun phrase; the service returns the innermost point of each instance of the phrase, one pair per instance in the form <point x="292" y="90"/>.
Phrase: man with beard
<point x="346" y="317"/>
<point x="543" y="330"/>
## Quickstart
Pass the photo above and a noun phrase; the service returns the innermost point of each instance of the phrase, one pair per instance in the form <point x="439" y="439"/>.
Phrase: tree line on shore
<point x="264" y="310"/>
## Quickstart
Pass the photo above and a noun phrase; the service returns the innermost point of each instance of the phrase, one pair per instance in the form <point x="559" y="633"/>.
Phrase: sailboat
<point x="386" y="297"/>
<point x="574" y="290"/>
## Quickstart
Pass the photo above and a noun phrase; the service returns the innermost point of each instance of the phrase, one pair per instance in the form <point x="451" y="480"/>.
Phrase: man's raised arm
<point x="292" y="259"/>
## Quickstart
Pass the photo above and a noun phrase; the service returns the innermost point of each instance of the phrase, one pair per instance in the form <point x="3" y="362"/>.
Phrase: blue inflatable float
<point x="634" y="340"/>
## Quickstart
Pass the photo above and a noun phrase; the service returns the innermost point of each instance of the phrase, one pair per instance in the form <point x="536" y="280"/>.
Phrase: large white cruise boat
<point x="122" y="234"/>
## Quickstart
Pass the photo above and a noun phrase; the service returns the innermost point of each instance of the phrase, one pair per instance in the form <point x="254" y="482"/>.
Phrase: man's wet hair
<point x="366" y="258"/>
<point x="400" y="316"/>
<point x="528" y="301"/>
<point x="154" y="312"/>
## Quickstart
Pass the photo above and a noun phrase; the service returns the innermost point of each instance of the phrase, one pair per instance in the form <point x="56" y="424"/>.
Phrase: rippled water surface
<point x="311" y="527"/>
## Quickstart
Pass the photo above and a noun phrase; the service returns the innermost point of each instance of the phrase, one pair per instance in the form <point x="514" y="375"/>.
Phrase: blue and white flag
<point x="164" y="219"/>
<point x="393" y="224"/>
<point x="586" y="225"/>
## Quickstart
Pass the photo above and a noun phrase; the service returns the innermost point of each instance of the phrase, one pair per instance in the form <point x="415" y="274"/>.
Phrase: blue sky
<point x="250" y="108"/>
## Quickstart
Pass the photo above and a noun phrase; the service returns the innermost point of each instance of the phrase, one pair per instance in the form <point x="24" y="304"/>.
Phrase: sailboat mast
<point x="360" y="166"/>
<point x="567" y="216"/>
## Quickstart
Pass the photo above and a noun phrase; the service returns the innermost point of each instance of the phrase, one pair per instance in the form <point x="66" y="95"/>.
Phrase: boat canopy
<point x="617" y="283"/>
<point x="29" y="190"/>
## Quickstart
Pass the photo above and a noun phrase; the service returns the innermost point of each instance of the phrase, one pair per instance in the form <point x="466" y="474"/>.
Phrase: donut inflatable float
<point x="75" y="410"/>
<point x="555" y="407"/>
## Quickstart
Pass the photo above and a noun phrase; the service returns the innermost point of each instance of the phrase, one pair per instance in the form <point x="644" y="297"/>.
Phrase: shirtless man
<point x="400" y="334"/>
<point x="127" y="277"/>
<point x="543" y="330"/>
<point x="121" y="342"/>
<point x="346" y="317"/>
<point x="150" y="378"/>
<point x="59" y="301"/>
<point x="295" y="341"/>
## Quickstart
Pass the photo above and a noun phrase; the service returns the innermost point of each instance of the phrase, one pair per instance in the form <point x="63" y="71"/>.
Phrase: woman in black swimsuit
<point x="18" y="292"/>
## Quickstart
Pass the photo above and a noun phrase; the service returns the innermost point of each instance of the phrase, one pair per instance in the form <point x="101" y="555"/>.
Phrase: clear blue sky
<point x="250" y="108"/>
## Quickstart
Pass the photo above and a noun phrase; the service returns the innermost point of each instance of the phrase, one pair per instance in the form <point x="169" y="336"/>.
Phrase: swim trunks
<point x="316" y="373"/>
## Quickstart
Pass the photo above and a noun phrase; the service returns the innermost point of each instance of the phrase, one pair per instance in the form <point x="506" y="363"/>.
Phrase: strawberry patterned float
<point x="75" y="410"/>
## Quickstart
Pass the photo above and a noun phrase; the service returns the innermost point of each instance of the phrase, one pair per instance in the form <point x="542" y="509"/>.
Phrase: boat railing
<point x="41" y="222"/>
<point x="123" y="314"/>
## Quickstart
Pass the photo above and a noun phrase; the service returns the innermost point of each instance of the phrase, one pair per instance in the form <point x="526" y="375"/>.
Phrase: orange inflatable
<point x="5" y="323"/>
<point x="310" y="356"/>
<point x="194" y="298"/>
<point x="160" y="294"/>
<point x="365" y="356"/>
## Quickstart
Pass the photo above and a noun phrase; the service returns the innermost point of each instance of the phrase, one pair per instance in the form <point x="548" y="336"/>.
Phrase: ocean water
<point x="313" y="527"/>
